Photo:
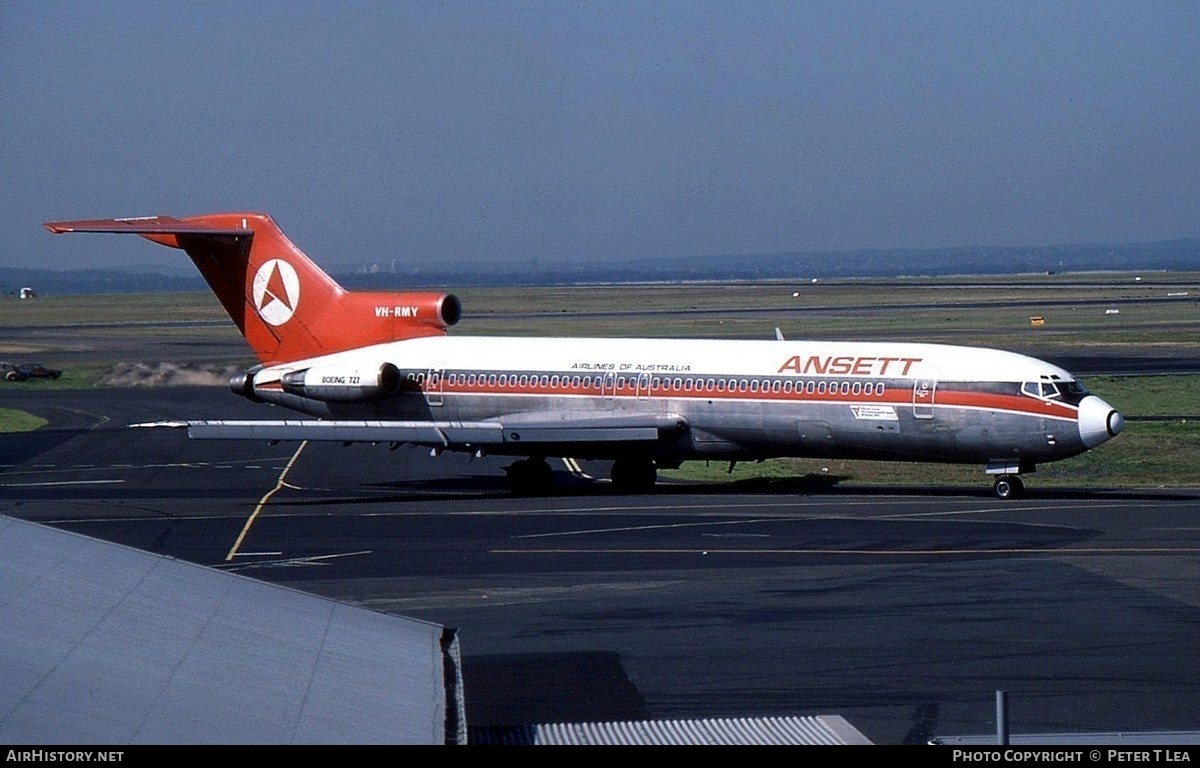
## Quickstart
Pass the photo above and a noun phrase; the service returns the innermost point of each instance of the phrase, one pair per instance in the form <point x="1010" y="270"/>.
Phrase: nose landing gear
<point x="1008" y="487"/>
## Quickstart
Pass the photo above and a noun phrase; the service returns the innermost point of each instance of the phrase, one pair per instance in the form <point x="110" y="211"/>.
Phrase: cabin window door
<point x="433" y="386"/>
<point x="608" y="389"/>
<point x="924" y="394"/>
<point x="643" y="386"/>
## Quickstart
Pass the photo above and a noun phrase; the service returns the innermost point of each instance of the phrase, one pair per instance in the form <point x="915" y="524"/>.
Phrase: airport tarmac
<point x="902" y="610"/>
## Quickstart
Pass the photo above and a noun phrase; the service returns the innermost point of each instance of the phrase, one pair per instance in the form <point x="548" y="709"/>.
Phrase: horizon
<point x="179" y="274"/>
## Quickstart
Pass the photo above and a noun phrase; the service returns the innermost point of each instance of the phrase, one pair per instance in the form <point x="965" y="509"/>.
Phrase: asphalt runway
<point x="902" y="611"/>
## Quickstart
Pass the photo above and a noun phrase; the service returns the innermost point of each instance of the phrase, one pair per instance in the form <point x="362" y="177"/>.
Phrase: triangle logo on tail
<point x="276" y="291"/>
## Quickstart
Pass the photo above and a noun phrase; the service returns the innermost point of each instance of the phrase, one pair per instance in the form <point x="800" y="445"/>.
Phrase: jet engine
<point x="343" y="384"/>
<point x="405" y="311"/>
<point x="243" y="384"/>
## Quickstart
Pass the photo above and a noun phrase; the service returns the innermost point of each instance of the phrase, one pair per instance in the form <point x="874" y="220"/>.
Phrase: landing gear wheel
<point x="1009" y="487"/>
<point x="635" y="475"/>
<point x="530" y="477"/>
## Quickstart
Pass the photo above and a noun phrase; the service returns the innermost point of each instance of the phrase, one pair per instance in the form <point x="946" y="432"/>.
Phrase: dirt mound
<point x="168" y="375"/>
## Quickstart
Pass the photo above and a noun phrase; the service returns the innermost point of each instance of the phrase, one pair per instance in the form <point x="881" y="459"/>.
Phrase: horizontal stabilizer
<point x="147" y="225"/>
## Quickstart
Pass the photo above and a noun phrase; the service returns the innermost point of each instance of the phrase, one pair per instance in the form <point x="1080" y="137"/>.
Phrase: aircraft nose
<point x="1098" y="421"/>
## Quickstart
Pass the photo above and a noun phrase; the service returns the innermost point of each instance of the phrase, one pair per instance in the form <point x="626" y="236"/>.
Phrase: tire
<point x="1008" y="487"/>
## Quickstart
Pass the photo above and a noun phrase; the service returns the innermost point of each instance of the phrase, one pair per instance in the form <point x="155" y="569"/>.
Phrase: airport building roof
<point x="104" y="644"/>
<point x="820" y="730"/>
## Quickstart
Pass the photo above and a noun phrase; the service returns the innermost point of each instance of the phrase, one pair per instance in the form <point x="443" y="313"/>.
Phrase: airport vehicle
<point x="381" y="367"/>
<point x="39" y="371"/>
<point x="26" y="371"/>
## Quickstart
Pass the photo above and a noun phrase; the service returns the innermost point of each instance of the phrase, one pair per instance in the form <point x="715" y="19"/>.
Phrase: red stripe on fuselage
<point x="884" y="393"/>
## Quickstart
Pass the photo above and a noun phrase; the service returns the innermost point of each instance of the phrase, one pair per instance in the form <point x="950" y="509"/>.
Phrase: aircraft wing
<point x="520" y="431"/>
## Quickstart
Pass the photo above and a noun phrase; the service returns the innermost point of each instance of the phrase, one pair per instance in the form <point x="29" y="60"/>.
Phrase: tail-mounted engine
<point x="449" y="309"/>
<point x="393" y="316"/>
<point x="436" y="310"/>
<point x="343" y="384"/>
<point x="243" y="384"/>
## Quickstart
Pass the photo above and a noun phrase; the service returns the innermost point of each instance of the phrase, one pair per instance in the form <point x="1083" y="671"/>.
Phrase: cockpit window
<point x="1073" y="392"/>
<point x="1067" y="391"/>
<point x="1073" y="388"/>
<point x="1042" y="389"/>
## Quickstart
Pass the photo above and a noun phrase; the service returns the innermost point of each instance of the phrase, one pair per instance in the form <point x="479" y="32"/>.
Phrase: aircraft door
<point x="924" y="394"/>
<point x="643" y="386"/>
<point x="608" y="389"/>
<point x="433" y="386"/>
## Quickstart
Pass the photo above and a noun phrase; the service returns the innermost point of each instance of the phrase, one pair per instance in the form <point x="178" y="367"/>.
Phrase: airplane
<point x="382" y="367"/>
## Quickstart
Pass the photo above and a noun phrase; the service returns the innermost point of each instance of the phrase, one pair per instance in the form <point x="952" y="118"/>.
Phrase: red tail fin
<point x="286" y="307"/>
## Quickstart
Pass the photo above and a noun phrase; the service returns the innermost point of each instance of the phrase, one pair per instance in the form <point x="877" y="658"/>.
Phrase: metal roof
<point x="1113" y="738"/>
<point x="823" y="729"/>
<point x="104" y="644"/>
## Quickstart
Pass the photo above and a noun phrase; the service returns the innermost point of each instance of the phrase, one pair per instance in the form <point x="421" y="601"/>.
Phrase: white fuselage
<point x="740" y="399"/>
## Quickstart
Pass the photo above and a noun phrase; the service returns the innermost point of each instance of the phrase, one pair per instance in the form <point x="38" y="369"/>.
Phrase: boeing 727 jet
<point x="381" y="367"/>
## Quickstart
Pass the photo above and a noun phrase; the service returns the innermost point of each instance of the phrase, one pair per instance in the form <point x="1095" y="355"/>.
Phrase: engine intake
<point x="449" y="309"/>
<point x="435" y="310"/>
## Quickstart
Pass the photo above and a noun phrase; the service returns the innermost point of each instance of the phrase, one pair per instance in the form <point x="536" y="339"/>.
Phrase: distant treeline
<point x="1173" y="255"/>
<point x="49" y="282"/>
<point x="1170" y="255"/>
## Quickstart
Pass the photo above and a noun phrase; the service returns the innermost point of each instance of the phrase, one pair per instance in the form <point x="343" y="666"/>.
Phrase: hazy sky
<point x="600" y="130"/>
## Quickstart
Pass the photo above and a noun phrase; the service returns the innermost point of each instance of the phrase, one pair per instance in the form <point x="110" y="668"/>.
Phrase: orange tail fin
<point x="286" y="306"/>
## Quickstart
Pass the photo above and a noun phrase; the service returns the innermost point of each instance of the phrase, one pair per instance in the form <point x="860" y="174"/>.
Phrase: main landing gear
<point x="533" y="476"/>
<point x="530" y="477"/>
<point x="634" y="474"/>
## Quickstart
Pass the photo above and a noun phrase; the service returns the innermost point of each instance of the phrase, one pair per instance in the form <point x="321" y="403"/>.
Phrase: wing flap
<point x="445" y="434"/>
